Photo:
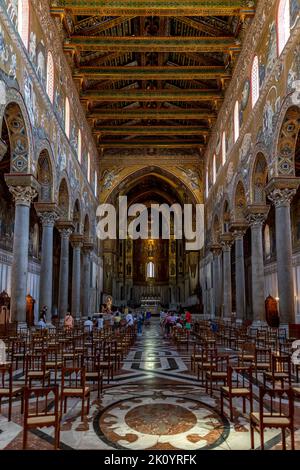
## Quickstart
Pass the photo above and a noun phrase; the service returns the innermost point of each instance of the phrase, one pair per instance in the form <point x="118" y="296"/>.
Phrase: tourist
<point x="140" y="320"/>
<point x="129" y="319"/>
<point x="188" y="321"/>
<point x="69" y="321"/>
<point x="148" y="318"/>
<point x="88" y="325"/>
<point x="42" y="323"/>
<point x="44" y="313"/>
<point x="100" y="322"/>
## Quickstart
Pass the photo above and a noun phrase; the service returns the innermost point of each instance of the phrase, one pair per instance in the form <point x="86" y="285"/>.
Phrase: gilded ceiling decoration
<point x="152" y="74"/>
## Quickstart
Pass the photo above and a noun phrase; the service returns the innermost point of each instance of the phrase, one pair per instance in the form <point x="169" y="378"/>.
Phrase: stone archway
<point x="286" y="147"/>
<point x="259" y="179"/>
<point x="45" y="176"/>
<point x="18" y="139"/>
<point x="64" y="200"/>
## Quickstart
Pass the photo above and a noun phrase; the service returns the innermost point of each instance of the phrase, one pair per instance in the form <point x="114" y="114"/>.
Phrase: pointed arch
<point x="50" y="77"/>
<point x="45" y="176"/>
<point x="259" y="179"/>
<point x="64" y="199"/>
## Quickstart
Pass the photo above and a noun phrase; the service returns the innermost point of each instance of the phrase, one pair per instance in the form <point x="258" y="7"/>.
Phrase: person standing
<point x="69" y="321"/>
<point x="140" y="320"/>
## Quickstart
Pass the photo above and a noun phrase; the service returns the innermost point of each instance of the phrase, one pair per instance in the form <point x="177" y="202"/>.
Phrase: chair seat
<point x="38" y="373"/>
<point x="91" y="375"/>
<point x="296" y="390"/>
<point x="271" y="420"/>
<point x="236" y="391"/>
<point x="221" y="375"/>
<point x="262" y="365"/>
<point x="41" y="420"/>
<point x="247" y="357"/>
<point x="277" y="375"/>
<point x="6" y="392"/>
<point x="76" y="390"/>
<point x="54" y="364"/>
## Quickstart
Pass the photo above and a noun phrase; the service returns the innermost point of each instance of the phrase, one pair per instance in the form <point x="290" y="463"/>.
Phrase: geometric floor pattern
<point x="154" y="402"/>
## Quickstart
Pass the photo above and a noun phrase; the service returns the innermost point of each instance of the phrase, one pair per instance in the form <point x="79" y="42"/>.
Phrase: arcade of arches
<point x="191" y="103"/>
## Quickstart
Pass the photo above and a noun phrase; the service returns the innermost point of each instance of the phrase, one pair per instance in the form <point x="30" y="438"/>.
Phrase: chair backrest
<point x="222" y="362"/>
<point x="6" y="376"/>
<point x="281" y="363"/>
<point x="39" y="401"/>
<point x="262" y="355"/>
<point x="239" y="377"/>
<point x="73" y="377"/>
<point x="276" y="400"/>
<point x="35" y="361"/>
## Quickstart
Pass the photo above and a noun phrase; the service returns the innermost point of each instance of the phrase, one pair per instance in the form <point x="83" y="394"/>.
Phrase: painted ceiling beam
<point x="155" y="7"/>
<point x="95" y="25"/>
<point x="151" y="73"/>
<point x="148" y="113"/>
<point x="133" y="94"/>
<point x="152" y="43"/>
<point x="150" y="144"/>
<point x="151" y="130"/>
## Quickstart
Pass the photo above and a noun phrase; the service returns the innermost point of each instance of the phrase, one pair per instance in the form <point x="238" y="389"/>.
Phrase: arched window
<point x="23" y="21"/>
<point x="283" y="24"/>
<point x="95" y="184"/>
<point x="206" y="183"/>
<point x="150" y="270"/>
<point x="79" y="146"/>
<point x="255" y="81"/>
<point x="89" y="168"/>
<point x="67" y="118"/>
<point x="223" y="148"/>
<point x="50" y="77"/>
<point x="236" y="122"/>
<point x="214" y="170"/>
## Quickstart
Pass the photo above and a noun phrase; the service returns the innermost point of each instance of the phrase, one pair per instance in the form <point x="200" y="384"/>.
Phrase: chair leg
<point x="222" y="404"/>
<point x="262" y="443"/>
<point x="231" y="409"/>
<point x="24" y="438"/>
<point x="9" y="408"/>
<point x="251" y="435"/>
<point x="292" y="438"/>
<point x="283" y="439"/>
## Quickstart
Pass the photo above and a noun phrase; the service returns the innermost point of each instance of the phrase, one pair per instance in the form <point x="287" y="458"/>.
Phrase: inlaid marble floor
<point x="153" y="403"/>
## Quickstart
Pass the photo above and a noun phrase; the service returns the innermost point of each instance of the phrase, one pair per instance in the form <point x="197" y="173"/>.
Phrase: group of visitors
<point x="169" y="320"/>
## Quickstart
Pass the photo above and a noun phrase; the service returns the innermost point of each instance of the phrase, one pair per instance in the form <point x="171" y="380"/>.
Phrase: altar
<point x="151" y="304"/>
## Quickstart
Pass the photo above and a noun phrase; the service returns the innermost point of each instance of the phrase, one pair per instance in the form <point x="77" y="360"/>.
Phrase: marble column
<point x="65" y="229"/>
<point x="87" y="249"/>
<point x="238" y="231"/>
<point x="256" y="216"/>
<point x="226" y="242"/>
<point x="281" y="192"/>
<point x="48" y="216"/>
<point x="217" y="281"/>
<point x="23" y="197"/>
<point x="76" y="240"/>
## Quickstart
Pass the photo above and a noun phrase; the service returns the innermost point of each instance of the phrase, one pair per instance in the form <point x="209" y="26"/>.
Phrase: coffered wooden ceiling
<point x="152" y="73"/>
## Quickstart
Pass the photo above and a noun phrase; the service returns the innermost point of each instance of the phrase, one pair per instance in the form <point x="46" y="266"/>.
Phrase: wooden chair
<point x="7" y="389"/>
<point x="217" y="372"/>
<point x="247" y="355"/>
<point x="280" y="371"/>
<point x="73" y="385"/>
<point x="41" y="410"/>
<point x="207" y="362"/>
<point x="271" y="414"/>
<point x="35" y="369"/>
<point x="93" y="372"/>
<point x="262" y="360"/>
<point x="18" y="353"/>
<point x="237" y="388"/>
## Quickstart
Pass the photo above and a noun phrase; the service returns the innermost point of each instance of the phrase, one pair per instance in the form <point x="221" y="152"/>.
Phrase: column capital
<point x="256" y="214"/>
<point x="238" y="229"/>
<point x="226" y="240"/>
<point x="282" y="190"/>
<point x="88" y="246"/>
<point x="216" y="249"/>
<point x="65" y="228"/>
<point x="76" y="240"/>
<point x="24" y="188"/>
<point x="47" y="212"/>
